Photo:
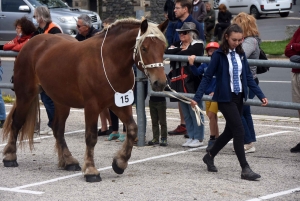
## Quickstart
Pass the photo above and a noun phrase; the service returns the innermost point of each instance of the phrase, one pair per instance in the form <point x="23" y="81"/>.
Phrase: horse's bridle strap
<point x="154" y="65"/>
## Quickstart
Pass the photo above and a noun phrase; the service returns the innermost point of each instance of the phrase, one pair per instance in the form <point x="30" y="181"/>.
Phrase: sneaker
<point x="296" y="148"/>
<point x="186" y="144"/>
<point x="180" y="130"/>
<point x="163" y="142"/>
<point x="195" y="143"/>
<point x="46" y="131"/>
<point x="210" y="145"/>
<point x="113" y="136"/>
<point x="121" y="138"/>
<point x="2" y="123"/>
<point x="249" y="148"/>
<point x="153" y="142"/>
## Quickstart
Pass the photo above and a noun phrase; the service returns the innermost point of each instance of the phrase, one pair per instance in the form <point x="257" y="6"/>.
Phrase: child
<point x="211" y="107"/>
<point x="158" y="112"/>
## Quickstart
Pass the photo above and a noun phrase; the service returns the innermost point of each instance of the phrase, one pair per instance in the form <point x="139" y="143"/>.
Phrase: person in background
<point x="199" y="13"/>
<point x="292" y="50"/>
<point x="25" y="30"/>
<point x="182" y="11"/>
<point x="233" y="77"/>
<point x="158" y="112"/>
<point x="210" y="106"/>
<point x="224" y="18"/>
<point x="183" y="80"/>
<point x="170" y="15"/>
<point x="251" y="47"/>
<point x="85" y="28"/>
<point x="46" y="26"/>
<point x="2" y="106"/>
<point x="209" y="21"/>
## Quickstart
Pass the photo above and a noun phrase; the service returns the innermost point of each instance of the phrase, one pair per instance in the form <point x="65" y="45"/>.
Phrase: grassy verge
<point x="8" y="98"/>
<point x="274" y="47"/>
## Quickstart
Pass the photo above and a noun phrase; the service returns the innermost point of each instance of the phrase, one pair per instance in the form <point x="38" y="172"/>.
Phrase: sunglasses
<point x="183" y="32"/>
<point x="78" y="26"/>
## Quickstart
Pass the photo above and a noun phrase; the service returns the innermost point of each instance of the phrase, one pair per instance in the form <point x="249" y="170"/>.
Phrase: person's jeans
<point x="201" y="34"/>
<point x="49" y="105"/>
<point x="2" y="106"/>
<point x="194" y="131"/>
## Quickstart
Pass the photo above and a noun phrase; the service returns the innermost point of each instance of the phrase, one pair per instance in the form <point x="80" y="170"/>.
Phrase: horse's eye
<point x="144" y="49"/>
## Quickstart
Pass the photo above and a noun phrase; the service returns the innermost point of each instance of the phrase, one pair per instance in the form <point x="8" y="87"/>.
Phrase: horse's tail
<point x="27" y="130"/>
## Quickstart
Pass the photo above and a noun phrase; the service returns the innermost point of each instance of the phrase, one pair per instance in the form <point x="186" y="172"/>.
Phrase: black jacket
<point x="92" y="32"/>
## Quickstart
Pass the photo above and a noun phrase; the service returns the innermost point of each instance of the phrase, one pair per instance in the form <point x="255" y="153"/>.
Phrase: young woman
<point x="233" y="77"/>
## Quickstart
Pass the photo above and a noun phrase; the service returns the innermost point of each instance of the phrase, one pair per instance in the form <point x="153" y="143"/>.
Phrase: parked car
<point x="257" y="7"/>
<point x="61" y="13"/>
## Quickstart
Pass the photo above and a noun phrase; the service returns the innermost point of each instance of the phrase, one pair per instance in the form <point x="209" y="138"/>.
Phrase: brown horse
<point x="85" y="75"/>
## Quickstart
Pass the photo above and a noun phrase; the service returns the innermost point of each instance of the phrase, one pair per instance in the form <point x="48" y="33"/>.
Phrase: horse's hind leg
<point x="120" y="160"/>
<point x="65" y="158"/>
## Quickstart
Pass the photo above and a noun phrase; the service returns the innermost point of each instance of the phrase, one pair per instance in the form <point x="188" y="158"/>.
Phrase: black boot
<point x="209" y="161"/>
<point x="248" y="174"/>
<point x="296" y="148"/>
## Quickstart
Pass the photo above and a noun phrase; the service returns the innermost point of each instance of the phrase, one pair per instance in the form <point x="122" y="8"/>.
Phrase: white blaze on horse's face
<point x="151" y="52"/>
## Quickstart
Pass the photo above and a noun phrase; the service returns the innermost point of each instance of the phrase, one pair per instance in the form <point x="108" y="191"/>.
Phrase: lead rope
<point x="104" y="67"/>
<point x="187" y="100"/>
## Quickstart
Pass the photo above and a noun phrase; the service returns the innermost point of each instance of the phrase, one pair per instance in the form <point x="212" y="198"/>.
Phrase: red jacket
<point x="293" y="48"/>
<point x="17" y="43"/>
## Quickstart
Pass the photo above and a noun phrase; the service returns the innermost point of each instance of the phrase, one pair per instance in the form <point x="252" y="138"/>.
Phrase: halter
<point x="137" y="50"/>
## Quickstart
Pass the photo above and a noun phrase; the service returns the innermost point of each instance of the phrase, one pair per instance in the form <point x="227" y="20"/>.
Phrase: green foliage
<point x="274" y="47"/>
<point x="8" y="98"/>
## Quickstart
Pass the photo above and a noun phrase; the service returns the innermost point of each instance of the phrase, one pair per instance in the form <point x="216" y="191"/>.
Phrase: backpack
<point x="262" y="56"/>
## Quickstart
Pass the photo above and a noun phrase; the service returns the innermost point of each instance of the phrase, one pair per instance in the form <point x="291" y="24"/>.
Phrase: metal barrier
<point x="140" y="103"/>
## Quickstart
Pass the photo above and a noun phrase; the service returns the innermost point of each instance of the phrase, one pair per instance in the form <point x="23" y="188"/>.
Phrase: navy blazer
<point x="219" y="66"/>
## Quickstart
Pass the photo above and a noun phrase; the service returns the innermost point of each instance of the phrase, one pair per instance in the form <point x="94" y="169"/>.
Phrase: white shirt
<point x="238" y="59"/>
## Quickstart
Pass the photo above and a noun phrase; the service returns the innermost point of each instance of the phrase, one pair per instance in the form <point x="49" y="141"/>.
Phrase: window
<point x="11" y="5"/>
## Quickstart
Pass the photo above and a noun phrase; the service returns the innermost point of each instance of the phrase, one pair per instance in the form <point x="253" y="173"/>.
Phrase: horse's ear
<point x="144" y="26"/>
<point x="163" y="25"/>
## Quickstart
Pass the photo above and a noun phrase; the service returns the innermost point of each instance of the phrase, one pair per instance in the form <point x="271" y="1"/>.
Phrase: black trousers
<point x="232" y="112"/>
<point x="115" y="122"/>
<point x="219" y="29"/>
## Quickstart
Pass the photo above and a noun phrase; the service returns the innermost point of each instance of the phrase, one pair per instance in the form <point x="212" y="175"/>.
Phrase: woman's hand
<point x="193" y="103"/>
<point x="264" y="102"/>
<point x="191" y="59"/>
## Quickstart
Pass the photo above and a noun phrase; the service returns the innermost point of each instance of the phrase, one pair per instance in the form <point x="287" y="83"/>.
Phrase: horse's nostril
<point x="155" y="83"/>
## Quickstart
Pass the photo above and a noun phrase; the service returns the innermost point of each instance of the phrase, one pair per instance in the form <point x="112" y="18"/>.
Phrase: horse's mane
<point x="152" y="29"/>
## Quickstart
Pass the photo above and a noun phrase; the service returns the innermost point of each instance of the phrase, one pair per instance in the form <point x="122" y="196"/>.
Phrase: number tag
<point x="126" y="99"/>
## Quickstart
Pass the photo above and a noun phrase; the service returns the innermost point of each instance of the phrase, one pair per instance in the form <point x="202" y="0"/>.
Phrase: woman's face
<point x="184" y="36"/>
<point x="234" y="39"/>
<point x="19" y="30"/>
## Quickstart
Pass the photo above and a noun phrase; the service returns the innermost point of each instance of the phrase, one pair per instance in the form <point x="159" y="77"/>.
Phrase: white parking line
<point x="15" y="189"/>
<point x="274" y="195"/>
<point x="21" y="191"/>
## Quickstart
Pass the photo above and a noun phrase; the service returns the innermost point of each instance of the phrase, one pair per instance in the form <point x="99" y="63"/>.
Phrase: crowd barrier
<point x="140" y="102"/>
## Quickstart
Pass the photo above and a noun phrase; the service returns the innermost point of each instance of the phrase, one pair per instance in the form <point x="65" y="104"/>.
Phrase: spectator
<point x="251" y="47"/>
<point x="210" y="106"/>
<point x="182" y="13"/>
<point x="46" y="26"/>
<point x="2" y="106"/>
<point x="158" y="112"/>
<point x="199" y="13"/>
<point x="209" y="21"/>
<point x="224" y="18"/>
<point x="233" y="77"/>
<point x="183" y="80"/>
<point x="85" y="28"/>
<point x="292" y="50"/>
<point x="25" y="30"/>
<point x="170" y="14"/>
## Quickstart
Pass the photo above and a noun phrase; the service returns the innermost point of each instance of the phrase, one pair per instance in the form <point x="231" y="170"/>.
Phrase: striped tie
<point x="236" y="86"/>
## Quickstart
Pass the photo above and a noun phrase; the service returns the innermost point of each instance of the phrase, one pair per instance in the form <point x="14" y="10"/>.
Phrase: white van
<point x="257" y="7"/>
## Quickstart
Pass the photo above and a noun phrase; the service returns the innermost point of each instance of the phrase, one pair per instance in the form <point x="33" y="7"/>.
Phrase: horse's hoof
<point x="93" y="178"/>
<point x="116" y="168"/>
<point x="73" y="167"/>
<point x="10" y="163"/>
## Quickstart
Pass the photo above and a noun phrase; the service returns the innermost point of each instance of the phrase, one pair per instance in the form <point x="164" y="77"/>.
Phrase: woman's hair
<point x="194" y="35"/>
<point x="43" y="13"/>
<point x="222" y="8"/>
<point x="85" y="19"/>
<point x="26" y="25"/>
<point x="225" y="45"/>
<point x="247" y="23"/>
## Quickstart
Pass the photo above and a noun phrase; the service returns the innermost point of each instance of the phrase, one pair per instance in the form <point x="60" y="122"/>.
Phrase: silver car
<point x="62" y="15"/>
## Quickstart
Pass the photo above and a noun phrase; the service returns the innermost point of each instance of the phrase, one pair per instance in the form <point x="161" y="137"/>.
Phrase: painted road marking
<point x="274" y="195"/>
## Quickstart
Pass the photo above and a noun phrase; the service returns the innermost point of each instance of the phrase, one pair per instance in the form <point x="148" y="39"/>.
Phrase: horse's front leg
<point x="65" y="158"/>
<point x="91" y="119"/>
<point x="120" y="161"/>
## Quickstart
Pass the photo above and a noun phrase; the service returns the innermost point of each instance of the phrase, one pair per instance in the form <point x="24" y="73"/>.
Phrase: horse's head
<point x="149" y="51"/>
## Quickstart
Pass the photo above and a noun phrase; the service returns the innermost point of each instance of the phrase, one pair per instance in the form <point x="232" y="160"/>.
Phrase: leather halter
<point x="137" y="50"/>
